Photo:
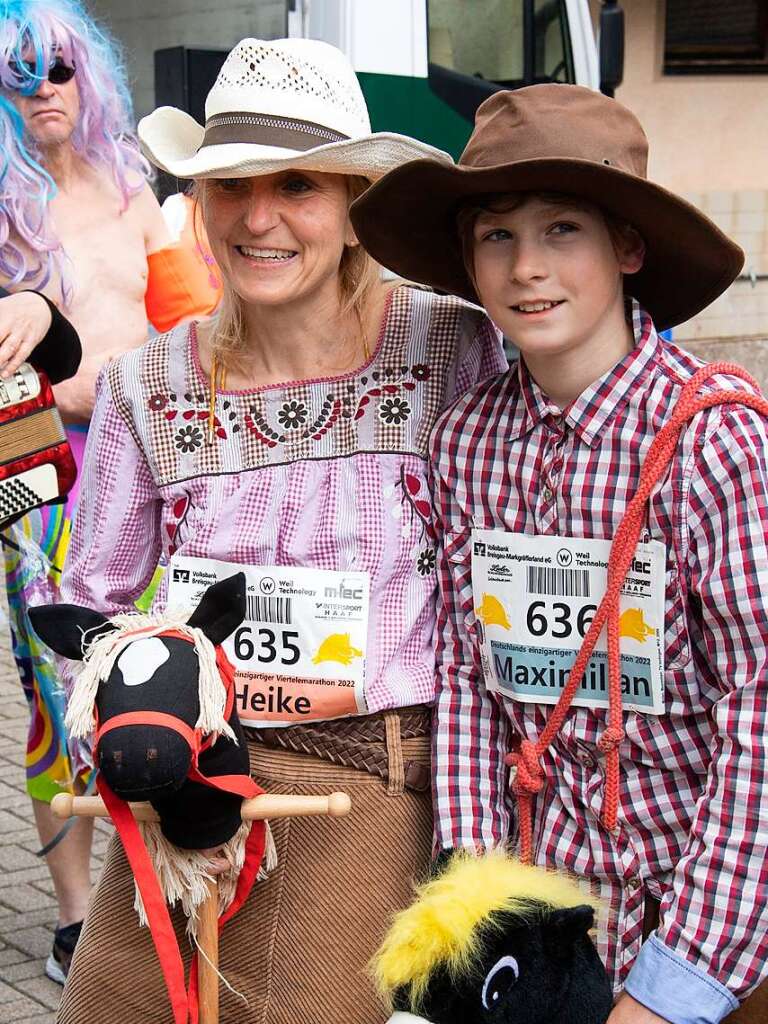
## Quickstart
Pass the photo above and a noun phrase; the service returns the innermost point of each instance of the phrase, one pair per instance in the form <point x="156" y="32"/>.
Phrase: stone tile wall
<point x="735" y="326"/>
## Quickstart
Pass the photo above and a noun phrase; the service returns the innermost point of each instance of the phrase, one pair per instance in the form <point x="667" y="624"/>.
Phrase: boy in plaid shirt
<point x="549" y="220"/>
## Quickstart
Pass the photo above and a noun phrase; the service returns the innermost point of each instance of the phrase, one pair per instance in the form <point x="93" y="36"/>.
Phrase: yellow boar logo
<point x="492" y="612"/>
<point x="337" y="647"/>
<point x="633" y="625"/>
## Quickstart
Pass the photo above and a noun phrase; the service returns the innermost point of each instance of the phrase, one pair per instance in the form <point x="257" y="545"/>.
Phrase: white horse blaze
<point x="401" y="1017"/>
<point x="141" y="659"/>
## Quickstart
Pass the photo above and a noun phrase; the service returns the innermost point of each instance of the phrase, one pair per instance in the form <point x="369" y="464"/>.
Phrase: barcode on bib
<point x="558" y="582"/>
<point x="269" y="609"/>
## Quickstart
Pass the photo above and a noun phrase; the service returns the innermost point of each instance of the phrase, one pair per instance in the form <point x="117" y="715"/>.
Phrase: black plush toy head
<point x="492" y="941"/>
<point x="165" y="687"/>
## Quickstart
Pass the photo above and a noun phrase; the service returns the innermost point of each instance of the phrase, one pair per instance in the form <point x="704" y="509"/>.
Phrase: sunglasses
<point x="59" y="73"/>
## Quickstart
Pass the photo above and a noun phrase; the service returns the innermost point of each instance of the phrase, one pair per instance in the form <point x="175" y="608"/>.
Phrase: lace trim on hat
<point x="266" y="66"/>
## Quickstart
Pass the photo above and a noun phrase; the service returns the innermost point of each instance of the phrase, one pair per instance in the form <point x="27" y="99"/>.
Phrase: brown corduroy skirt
<point x="299" y="948"/>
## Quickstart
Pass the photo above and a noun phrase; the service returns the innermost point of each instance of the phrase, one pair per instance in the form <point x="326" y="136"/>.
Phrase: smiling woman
<point x="287" y="437"/>
<point x="286" y="238"/>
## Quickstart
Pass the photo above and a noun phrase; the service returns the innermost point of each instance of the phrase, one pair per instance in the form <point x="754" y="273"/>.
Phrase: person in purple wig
<point x="77" y="222"/>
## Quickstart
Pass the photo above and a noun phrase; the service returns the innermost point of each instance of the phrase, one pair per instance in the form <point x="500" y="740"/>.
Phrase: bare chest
<point x="104" y="246"/>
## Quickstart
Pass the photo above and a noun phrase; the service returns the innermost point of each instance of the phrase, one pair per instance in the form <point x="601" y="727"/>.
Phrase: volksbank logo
<point x="181" y="576"/>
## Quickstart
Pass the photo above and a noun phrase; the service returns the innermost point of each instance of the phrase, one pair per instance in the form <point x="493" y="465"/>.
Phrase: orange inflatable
<point x="184" y="282"/>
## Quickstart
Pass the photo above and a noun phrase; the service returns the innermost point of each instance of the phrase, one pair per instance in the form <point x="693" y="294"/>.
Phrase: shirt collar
<point x="589" y="414"/>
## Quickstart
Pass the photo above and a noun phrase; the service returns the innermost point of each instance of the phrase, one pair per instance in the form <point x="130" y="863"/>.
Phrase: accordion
<point x="36" y="463"/>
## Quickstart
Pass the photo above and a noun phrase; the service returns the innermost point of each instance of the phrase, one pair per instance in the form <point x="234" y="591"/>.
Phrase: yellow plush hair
<point x="440" y="929"/>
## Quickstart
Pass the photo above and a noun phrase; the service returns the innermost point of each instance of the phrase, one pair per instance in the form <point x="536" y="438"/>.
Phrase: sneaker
<point x="64" y="942"/>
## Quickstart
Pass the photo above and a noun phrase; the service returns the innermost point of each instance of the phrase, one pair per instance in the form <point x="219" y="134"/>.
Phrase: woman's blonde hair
<point x="359" y="278"/>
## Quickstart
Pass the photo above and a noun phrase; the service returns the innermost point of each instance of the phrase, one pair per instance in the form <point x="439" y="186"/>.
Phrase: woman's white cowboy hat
<point x="278" y="104"/>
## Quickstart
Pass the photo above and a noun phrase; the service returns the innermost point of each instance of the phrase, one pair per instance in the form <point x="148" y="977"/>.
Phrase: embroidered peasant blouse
<point x="327" y="474"/>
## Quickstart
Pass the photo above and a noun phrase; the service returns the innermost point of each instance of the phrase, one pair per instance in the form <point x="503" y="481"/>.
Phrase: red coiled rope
<point x="529" y="776"/>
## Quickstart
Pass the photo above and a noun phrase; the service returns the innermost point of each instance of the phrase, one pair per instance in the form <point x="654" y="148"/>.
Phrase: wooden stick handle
<point x="208" y="955"/>
<point x="268" y="805"/>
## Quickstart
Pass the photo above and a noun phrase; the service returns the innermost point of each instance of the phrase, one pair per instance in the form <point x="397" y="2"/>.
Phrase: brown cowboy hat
<point x="550" y="138"/>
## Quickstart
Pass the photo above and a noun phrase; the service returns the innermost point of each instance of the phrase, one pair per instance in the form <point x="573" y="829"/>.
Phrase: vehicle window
<point x="479" y="38"/>
<point x="486" y="39"/>
<point x="553" y="51"/>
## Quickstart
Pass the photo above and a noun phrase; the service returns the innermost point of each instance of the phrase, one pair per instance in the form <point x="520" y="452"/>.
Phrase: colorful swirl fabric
<point x="34" y="551"/>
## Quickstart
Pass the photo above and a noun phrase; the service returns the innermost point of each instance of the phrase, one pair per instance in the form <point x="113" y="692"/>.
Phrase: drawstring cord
<point x="527" y="774"/>
<point x="218" y="378"/>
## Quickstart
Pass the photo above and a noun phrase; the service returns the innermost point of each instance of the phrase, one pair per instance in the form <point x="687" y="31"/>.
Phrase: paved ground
<point x="27" y="905"/>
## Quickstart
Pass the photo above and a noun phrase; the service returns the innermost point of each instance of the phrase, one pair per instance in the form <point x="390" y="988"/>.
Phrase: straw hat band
<point x="264" y="130"/>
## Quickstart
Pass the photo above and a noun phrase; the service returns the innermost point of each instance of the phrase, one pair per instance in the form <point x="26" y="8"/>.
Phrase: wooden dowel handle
<point x="268" y="805"/>
<point x="208" y="957"/>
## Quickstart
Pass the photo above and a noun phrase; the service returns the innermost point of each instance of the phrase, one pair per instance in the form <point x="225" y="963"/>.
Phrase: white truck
<point x="426" y="65"/>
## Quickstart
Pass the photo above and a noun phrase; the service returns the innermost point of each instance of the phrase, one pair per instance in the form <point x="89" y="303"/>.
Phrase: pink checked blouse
<point x="327" y="474"/>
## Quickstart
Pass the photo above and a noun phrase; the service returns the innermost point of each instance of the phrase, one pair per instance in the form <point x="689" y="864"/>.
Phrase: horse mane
<point x="101" y="651"/>
<point x="442" y="927"/>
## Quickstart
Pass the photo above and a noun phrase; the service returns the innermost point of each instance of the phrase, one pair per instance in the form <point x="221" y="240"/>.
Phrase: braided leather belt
<point x="359" y="742"/>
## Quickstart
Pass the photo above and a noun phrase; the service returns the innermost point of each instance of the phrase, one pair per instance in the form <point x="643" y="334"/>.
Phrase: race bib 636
<point x="535" y="598"/>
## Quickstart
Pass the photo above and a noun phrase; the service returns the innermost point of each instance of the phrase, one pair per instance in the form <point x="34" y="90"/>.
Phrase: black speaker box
<point x="183" y="78"/>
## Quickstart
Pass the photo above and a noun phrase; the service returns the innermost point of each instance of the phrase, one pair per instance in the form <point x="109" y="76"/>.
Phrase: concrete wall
<point x="708" y="143"/>
<point x="707" y="132"/>
<point x="143" y="26"/>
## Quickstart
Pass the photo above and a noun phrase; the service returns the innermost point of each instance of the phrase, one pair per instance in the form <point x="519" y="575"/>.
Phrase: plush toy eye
<point x="499" y="980"/>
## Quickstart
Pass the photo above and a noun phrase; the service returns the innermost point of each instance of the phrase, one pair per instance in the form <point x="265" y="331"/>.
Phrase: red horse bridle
<point x="184" y="1001"/>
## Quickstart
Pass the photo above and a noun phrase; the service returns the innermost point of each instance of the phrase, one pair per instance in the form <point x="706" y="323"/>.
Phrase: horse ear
<point x="221" y="609"/>
<point x="568" y="923"/>
<point x="64" y="626"/>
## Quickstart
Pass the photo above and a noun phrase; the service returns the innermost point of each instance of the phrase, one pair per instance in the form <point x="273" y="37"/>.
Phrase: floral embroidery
<point x="189" y="438"/>
<point x="414" y="504"/>
<point x="383" y="391"/>
<point x="261" y="430"/>
<point x="425" y="563"/>
<point x="292" y="414"/>
<point x="394" y="411"/>
<point x="329" y="415"/>
<point x="179" y="511"/>
<point x="416" y="496"/>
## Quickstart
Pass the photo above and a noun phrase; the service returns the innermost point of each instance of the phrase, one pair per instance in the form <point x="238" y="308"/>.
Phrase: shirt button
<point x="633" y="883"/>
<point x="547" y="494"/>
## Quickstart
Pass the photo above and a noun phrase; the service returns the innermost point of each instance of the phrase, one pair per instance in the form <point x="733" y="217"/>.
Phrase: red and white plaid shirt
<point x="693" y="816"/>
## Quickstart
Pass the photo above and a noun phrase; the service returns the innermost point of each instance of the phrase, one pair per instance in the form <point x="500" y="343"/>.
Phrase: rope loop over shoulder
<point x="529" y="778"/>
